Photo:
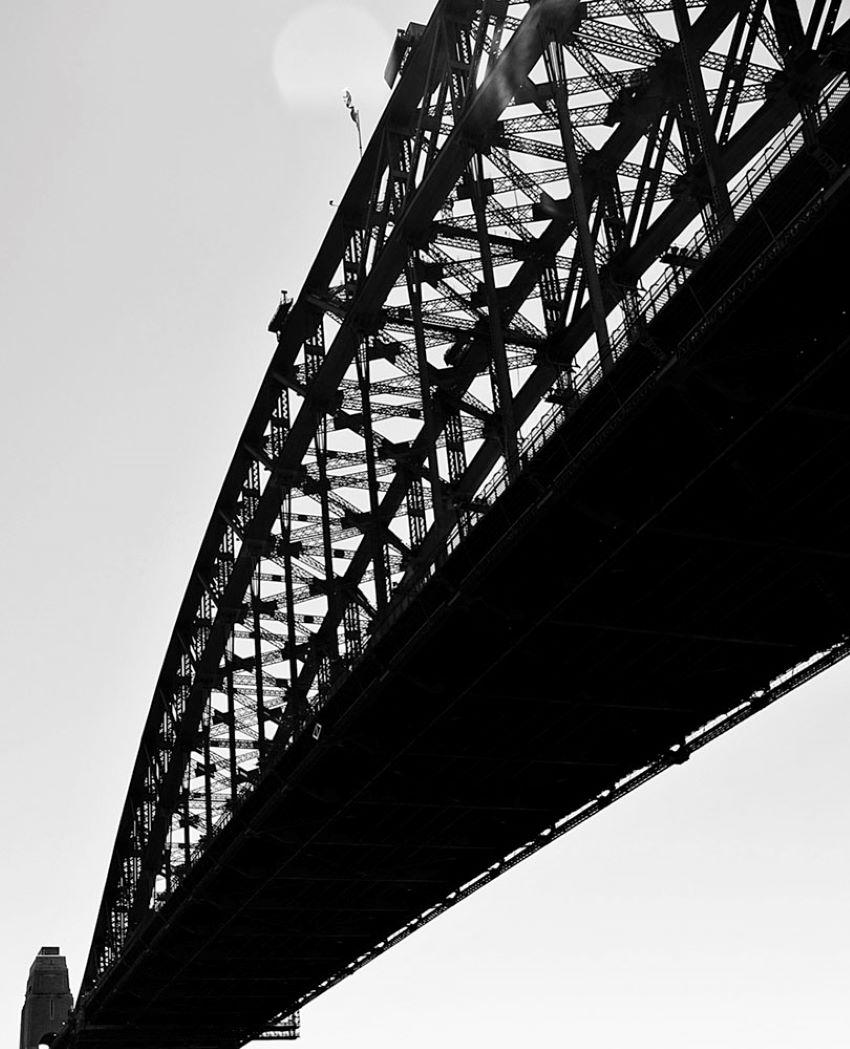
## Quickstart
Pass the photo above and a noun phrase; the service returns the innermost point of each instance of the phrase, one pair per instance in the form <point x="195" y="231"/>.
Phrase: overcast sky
<point x="167" y="168"/>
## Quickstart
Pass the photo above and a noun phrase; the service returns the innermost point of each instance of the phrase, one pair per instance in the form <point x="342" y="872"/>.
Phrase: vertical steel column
<point x="375" y="525"/>
<point x="420" y="143"/>
<point x="615" y="225"/>
<point x="417" y="524"/>
<point x="646" y="191"/>
<point x="500" y="376"/>
<point x="429" y="422"/>
<point x="459" y="57"/>
<point x="722" y="215"/>
<point x="733" y="74"/>
<point x="328" y="658"/>
<point x="351" y="631"/>
<point x="287" y="551"/>
<point x="828" y="22"/>
<point x="557" y="73"/>
<point x="256" y="631"/>
<point x="187" y="825"/>
<point x="788" y="25"/>
<point x="314" y="353"/>
<point x="208" y="772"/>
<point x="456" y="454"/>
<point x="231" y="728"/>
<point x="293" y="699"/>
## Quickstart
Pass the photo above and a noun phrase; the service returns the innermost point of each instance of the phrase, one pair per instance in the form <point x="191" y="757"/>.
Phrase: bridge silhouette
<point x="544" y="489"/>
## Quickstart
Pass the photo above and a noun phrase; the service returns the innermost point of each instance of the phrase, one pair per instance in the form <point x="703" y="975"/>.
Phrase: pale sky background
<point x="166" y="169"/>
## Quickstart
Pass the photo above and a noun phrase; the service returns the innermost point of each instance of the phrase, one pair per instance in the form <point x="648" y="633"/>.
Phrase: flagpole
<point x="354" y="113"/>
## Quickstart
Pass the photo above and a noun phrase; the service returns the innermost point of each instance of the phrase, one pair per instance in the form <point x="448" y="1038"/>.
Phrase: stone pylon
<point x="48" y="999"/>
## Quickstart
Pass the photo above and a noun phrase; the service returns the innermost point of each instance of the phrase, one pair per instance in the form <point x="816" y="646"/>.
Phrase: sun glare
<point x="327" y="44"/>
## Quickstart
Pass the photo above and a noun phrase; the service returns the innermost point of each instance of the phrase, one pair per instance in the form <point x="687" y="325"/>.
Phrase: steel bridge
<point x="545" y="487"/>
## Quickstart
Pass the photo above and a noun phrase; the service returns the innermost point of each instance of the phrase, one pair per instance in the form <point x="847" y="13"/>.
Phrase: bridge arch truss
<point x="543" y="179"/>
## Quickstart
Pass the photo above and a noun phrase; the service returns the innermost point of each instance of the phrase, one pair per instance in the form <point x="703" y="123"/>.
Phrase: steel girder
<point x="533" y="165"/>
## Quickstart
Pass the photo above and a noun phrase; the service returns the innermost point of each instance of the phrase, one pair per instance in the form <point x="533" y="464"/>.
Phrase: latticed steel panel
<point x="509" y="231"/>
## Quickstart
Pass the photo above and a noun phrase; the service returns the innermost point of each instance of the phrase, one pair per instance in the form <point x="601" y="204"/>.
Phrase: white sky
<point x="161" y="181"/>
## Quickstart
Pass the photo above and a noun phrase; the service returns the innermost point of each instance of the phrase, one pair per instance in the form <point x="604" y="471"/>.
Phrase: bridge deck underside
<point x="684" y="540"/>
